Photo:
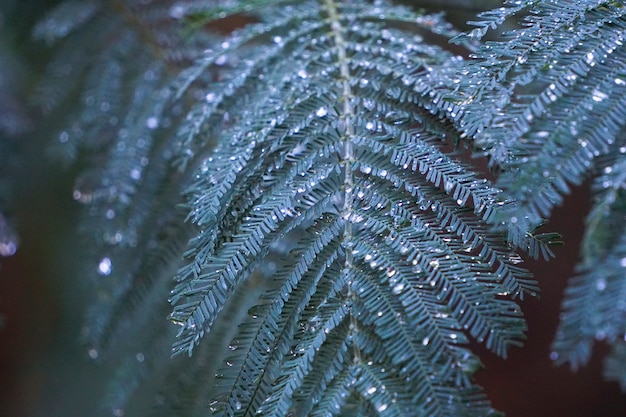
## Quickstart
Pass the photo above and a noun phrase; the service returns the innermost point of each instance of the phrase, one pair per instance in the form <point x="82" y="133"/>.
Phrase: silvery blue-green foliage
<point x="333" y="168"/>
<point x="547" y="104"/>
<point x="117" y="60"/>
<point x="319" y="151"/>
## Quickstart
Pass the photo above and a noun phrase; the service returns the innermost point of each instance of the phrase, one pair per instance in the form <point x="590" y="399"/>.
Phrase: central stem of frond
<point x="347" y="159"/>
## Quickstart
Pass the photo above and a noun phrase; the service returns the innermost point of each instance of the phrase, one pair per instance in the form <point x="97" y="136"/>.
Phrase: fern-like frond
<point x="122" y="131"/>
<point x="595" y="301"/>
<point x="65" y="19"/>
<point x="547" y="105"/>
<point x="548" y="100"/>
<point x="615" y="365"/>
<point x="327" y="133"/>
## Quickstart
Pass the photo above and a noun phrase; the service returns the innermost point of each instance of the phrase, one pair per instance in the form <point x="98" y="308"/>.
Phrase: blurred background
<point x="45" y="369"/>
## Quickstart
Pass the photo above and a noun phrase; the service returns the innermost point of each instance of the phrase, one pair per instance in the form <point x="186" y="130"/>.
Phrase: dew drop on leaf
<point x="599" y="96"/>
<point x="177" y="11"/>
<point x="93" y="353"/>
<point x="152" y="122"/>
<point x="105" y="266"/>
<point x="398" y="288"/>
<point x="321" y="112"/>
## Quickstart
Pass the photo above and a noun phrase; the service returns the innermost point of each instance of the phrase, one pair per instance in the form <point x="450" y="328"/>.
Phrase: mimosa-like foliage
<point x="341" y="250"/>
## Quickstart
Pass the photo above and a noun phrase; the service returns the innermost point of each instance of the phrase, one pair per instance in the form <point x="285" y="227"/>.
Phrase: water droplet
<point x="366" y="169"/>
<point x="601" y="284"/>
<point x="622" y="262"/>
<point x="590" y="58"/>
<point x="619" y="81"/>
<point x="152" y="122"/>
<point x="140" y="357"/>
<point x="8" y="248"/>
<point x="371" y="390"/>
<point x="105" y="266"/>
<point x="321" y="112"/>
<point x="369" y="126"/>
<point x="93" y="353"/>
<point x="426" y="341"/>
<point x="391" y="272"/>
<point x="221" y="60"/>
<point x="135" y="174"/>
<point x="210" y="97"/>
<point x="599" y="96"/>
<point x="177" y="11"/>
<point x="382" y="407"/>
<point x="302" y="74"/>
<point x="64" y="137"/>
<point x="277" y="40"/>
<point x="398" y="288"/>
<point x="434" y="264"/>
<point x="554" y="356"/>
